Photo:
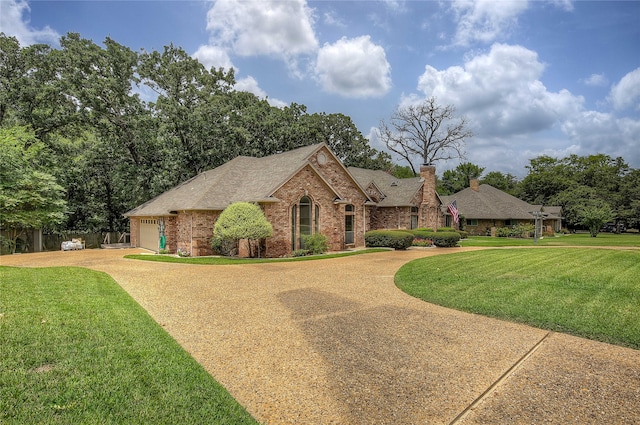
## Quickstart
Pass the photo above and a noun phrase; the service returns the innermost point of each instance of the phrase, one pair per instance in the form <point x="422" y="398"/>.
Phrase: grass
<point x="76" y="348"/>
<point x="592" y="293"/>
<point x="576" y="239"/>
<point x="228" y="260"/>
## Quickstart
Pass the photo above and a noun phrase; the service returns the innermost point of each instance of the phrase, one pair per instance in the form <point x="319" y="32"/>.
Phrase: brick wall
<point x="314" y="183"/>
<point x="134" y="229"/>
<point x="194" y="230"/>
<point x="391" y="218"/>
<point x="171" y="233"/>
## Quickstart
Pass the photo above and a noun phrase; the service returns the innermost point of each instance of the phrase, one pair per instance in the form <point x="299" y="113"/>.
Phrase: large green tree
<point x="629" y="209"/>
<point x="455" y="180"/>
<point x="193" y="107"/>
<point x="30" y="198"/>
<point x="594" y="216"/>
<point x="505" y="182"/>
<point x="575" y="182"/>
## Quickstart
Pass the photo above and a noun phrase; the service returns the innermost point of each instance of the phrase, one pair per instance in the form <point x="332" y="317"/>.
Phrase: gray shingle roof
<point x="489" y="203"/>
<point x="241" y="179"/>
<point x="397" y="192"/>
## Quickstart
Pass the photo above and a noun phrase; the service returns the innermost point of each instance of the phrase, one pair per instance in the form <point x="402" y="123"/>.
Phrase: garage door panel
<point x="149" y="238"/>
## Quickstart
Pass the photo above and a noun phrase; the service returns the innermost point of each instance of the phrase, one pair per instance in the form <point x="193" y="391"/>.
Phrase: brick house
<point x="302" y="192"/>
<point x="486" y="208"/>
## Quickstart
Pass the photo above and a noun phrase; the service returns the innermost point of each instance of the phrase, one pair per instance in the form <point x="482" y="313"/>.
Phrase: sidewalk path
<point x="335" y="342"/>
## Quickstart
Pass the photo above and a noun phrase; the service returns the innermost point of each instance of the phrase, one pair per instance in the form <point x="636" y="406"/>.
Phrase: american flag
<point x="453" y="209"/>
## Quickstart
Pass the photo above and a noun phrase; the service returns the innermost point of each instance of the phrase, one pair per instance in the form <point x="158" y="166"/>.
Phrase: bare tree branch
<point x="428" y="131"/>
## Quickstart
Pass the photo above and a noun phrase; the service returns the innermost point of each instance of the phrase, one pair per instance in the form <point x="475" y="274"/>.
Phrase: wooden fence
<point x="28" y="241"/>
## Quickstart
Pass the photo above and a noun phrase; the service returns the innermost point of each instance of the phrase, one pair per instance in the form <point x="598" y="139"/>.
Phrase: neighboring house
<point x="302" y="192"/>
<point x="485" y="208"/>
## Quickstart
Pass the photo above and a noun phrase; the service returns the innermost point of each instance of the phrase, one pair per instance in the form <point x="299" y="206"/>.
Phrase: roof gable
<point x="243" y="178"/>
<point x="396" y="192"/>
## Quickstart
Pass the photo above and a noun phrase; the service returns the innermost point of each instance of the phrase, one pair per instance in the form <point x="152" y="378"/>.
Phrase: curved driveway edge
<point x="335" y="342"/>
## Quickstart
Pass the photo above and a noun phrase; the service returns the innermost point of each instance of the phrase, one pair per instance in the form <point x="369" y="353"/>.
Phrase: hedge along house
<point x="301" y="192"/>
<point x="486" y="208"/>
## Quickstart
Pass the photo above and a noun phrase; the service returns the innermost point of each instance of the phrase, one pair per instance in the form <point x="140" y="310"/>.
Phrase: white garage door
<point x="149" y="236"/>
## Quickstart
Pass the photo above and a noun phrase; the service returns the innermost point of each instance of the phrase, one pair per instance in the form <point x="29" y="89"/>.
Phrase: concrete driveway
<point x="335" y="342"/>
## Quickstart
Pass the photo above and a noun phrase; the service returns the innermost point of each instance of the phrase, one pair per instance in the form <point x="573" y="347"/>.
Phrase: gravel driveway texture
<point x="335" y="342"/>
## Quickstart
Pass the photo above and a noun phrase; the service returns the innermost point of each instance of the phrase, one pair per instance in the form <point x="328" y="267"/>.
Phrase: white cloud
<point x="500" y="92"/>
<point x="516" y="118"/>
<point x="332" y="18"/>
<point x="604" y="132"/>
<point x="267" y="27"/>
<point x="485" y="20"/>
<point x="596" y="80"/>
<point x="563" y="4"/>
<point x="249" y="84"/>
<point x="626" y="94"/>
<point x="213" y="57"/>
<point x="395" y="5"/>
<point x="277" y="102"/>
<point x="354" y="68"/>
<point x="13" y="22"/>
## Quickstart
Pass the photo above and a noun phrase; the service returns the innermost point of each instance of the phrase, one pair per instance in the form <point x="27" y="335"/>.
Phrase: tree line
<point x="80" y="146"/>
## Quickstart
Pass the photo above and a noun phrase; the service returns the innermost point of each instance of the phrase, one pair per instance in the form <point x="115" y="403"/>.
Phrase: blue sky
<point x="532" y="77"/>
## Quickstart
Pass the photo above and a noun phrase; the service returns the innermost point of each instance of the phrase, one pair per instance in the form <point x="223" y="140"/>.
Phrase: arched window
<point x="304" y="221"/>
<point x="305" y="216"/>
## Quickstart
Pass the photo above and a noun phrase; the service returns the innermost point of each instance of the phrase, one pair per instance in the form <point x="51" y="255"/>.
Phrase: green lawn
<point x="576" y="239"/>
<point x="593" y="293"/>
<point x="228" y="260"/>
<point x="76" y="348"/>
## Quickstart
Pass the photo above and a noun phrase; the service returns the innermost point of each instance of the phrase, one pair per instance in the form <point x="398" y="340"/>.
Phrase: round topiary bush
<point x="396" y="239"/>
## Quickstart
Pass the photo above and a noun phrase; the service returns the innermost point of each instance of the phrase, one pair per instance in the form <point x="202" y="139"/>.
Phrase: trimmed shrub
<point x="315" y="244"/>
<point x="463" y="234"/>
<point x="241" y="220"/>
<point x="503" y="232"/>
<point x="396" y="239"/>
<point x="446" y="239"/>
<point x="518" y="231"/>
<point x="422" y="233"/>
<point x="446" y="229"/>
<point x="300" y="253"/>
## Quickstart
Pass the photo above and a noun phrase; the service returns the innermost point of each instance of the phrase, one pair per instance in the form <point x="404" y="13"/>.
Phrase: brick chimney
<point x="430" y="205"/>
<point x="428" y="173"/>
<point x="474" y="184"/>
